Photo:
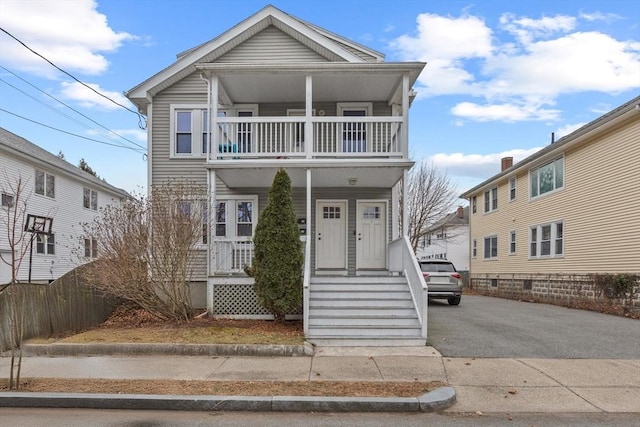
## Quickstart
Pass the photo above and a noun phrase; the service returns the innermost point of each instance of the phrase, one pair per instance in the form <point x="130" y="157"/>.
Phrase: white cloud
<point x="90" y="99"/>
<point x="599" y="16"/>
<point x="567" y="129"/>
<point x="71" y="34"/>
<point x="521" y="74"/>
<point x="503" y="112"/>
<point x="478" y="166"/>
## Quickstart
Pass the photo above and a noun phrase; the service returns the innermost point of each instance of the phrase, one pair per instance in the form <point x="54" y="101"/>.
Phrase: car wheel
<point x="454" y="300"/>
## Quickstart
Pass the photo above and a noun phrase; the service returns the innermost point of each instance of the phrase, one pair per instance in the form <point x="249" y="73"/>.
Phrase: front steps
<point x="362" y="311"/>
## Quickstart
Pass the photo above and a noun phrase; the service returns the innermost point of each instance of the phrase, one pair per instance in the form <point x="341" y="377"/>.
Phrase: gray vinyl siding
<point x="598" y="206"/>
<point x="271" y="45"/>
<point x="351" y="195"/>
<point x="191" y="90"/>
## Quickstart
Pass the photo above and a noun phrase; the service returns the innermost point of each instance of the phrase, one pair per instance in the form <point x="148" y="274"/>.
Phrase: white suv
<point x="443" y="281"/>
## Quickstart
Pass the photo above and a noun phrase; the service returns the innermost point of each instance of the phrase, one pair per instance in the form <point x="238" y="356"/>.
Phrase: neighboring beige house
<point x="276" y="92"/>
<point x="448" y="239"/>
<point x="566" y="211"/>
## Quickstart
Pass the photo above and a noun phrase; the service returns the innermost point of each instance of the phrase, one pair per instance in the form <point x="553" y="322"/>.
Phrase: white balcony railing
<point x="232" y="255"/>
<point x="273" y="137"/>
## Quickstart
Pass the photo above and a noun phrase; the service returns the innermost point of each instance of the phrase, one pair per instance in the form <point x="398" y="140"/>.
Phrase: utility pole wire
<point x="140" y="116"/>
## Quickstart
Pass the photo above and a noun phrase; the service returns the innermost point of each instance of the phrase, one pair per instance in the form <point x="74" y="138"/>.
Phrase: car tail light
<point x="456" y="275"/>
<point x="425" y="275"/>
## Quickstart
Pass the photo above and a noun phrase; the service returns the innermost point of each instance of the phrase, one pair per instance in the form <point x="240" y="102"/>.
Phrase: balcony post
<point x="214" y="129"/>
<point x="211" y="251"/>
<point x="308" y="124"/>
<point x="405" y="117"/>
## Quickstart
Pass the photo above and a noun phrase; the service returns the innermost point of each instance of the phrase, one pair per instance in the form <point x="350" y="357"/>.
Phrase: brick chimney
<point x="460" y="212"/>
<point x="507" y="162"/>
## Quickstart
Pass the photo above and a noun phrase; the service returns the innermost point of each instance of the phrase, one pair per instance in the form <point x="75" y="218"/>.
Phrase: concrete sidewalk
<point x="485" y="385"/>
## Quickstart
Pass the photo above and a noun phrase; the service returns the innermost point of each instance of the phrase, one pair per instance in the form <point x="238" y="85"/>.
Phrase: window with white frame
<point x="474" y="204"/>
<point x="235" y="217"/>
<point x="512" y="188"/>
<point x="546" y="178"/>
<point x="512" y="242"/>
<point x="8" y="200"/>
<point x="90" y="248"/>
<point x="46" y="244"/>
<point x="90" y="199"/>
<point x="45" y="184"/>
<point x="491" y="199"/>
<point x="474" y="248"/>
<point x="189" y="129"/>
<point x="187" y="208"/>
<point x="491" y="247"/>
<point x="546" y="240"/>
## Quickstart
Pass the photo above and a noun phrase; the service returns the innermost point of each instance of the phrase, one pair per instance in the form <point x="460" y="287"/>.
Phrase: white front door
<point x="331" y="235"/>
<point x="371" y="235"/>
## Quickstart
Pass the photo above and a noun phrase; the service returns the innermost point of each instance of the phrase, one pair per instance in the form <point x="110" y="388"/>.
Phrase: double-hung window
<point x="491" y="199"/>
<point x="491" y="247"/>
<point x="90" y="248"/>
<point x="512" y="188"/>
<point x="474" y="204"/>
<point x="46" y="244"/>
<point x="474" y="248"/>
<point x="546" y="178"/>
<point x="512" y="243"/>
<point x="45" y="184"/>
<point x="546" y="240"/>
<point x="8" y="200"/>
<point x="90" y="199"/>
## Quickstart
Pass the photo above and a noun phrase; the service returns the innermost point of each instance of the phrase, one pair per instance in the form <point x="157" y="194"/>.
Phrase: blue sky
<point x="501" y="75"/>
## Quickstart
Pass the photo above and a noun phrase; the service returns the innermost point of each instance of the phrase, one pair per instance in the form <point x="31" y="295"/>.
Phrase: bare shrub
<point x="147" y="248"/>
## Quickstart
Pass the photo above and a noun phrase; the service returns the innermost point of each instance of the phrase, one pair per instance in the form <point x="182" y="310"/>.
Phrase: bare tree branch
<point x="430" y="197"/>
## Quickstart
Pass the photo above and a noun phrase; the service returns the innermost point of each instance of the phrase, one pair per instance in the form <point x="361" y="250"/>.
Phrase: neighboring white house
<point x="448" y="239"/>
<point x="55" y="189"/>
<point x="277" y="92"/>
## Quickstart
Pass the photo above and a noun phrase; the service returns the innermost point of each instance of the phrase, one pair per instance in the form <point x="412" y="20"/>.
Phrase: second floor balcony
<point x="311" y="138"/>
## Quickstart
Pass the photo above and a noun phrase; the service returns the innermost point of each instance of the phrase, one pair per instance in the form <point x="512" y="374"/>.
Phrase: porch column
<point x="308" y="112"/>
<point x="405" y="117"/>
<point x="211" y="252"/>
<point x="214" y="129"/>
<point x="405" y="196"/>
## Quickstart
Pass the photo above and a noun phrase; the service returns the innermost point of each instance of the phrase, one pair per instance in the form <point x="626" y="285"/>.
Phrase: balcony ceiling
<point x="324" y="173"/>
<point x="333" y="82"/>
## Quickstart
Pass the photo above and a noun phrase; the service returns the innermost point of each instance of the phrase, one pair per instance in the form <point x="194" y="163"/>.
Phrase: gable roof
<point x="329" y="45"/>
<point x="594" y="127"/>
<point x="452" y="220"/>
<point x="20" y="147"/>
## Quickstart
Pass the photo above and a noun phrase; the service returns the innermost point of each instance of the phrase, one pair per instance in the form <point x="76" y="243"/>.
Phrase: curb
<point x="433" y="401"/>
<point x="149" y="349"/>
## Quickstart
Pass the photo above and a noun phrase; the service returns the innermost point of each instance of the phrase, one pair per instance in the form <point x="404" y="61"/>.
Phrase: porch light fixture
<point x="353" y="181"/>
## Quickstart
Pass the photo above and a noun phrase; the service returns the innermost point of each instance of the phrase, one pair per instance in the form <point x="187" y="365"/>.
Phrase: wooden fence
<point x="65" y="305"/>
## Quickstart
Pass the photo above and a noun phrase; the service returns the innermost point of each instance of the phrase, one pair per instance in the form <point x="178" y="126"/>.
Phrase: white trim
<point x="366" y="106"/>
<point x="512" y="233"/>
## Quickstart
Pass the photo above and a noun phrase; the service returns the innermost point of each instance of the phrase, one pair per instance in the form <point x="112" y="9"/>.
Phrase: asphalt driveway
<point x="494" y="327"/>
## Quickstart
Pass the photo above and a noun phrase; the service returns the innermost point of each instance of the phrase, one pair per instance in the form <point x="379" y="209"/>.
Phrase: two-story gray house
<point x="276" y="92"/>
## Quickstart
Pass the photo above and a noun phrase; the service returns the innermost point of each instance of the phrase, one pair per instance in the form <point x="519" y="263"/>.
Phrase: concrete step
<point x="373" y="295"/>
<point x="358" y="287"/>
<point x="359" y="302"/>
<point x="361" y="311"/>
<point x="367" y="342"/>
<point x="363" y="331"/>
<point x="358" y="279"/>
<point x="356" y="320"/>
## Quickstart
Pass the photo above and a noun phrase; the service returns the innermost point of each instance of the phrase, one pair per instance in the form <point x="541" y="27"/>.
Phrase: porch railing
<point x="232" y="255"/>
<point x="273" y="137"/>
<point x="403" y="260"/>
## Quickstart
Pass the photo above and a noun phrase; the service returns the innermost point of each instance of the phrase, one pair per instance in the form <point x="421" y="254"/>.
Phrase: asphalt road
<point x="495" y="327"/>
<point x="12" y="417"/>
